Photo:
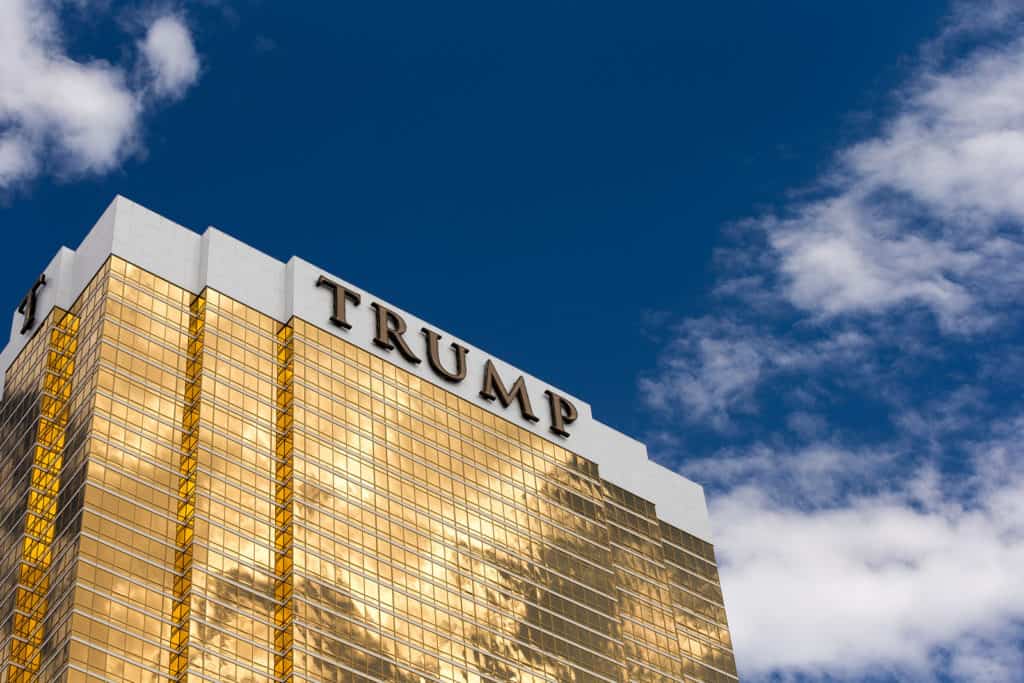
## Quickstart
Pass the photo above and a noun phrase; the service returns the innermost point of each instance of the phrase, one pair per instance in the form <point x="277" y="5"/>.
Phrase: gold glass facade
<point x="193" y="491"/>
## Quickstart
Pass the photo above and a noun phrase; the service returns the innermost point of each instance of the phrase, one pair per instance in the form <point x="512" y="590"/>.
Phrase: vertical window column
<point x="181" y="611"/>
<point x="284" y="507"/>
<point x="31" y="599"/>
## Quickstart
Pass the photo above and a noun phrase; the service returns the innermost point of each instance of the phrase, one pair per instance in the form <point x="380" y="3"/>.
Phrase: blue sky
<point x="785" y="239"/>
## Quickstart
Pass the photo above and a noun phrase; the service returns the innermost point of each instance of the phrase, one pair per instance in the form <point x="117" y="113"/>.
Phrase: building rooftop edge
<point x="282" y="290"/>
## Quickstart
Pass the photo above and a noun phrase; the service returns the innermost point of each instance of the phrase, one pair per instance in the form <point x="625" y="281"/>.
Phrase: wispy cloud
<point x="65" y="116"/>
<point x="712" y="366"/>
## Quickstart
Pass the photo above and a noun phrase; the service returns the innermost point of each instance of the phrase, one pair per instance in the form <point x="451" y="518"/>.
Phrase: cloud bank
<point x="868" y="573"/>
<point x="856" y="391"/>
<point x="69" y="117"/>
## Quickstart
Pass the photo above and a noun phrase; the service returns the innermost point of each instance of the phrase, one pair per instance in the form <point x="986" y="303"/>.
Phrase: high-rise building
<point x="220" y="467"/>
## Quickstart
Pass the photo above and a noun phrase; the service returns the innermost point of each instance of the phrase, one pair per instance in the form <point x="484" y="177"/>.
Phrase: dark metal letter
<point x="494" y="388"/>
<point x="27" y="307"/>
<point x="341" y="294"/>
<point x="435" y="361"/>
<point x="563" y="412"/>
<point x="390" y="328"/>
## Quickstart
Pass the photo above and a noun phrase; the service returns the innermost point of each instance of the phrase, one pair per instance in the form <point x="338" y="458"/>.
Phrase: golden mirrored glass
<point x="197" y="492"/>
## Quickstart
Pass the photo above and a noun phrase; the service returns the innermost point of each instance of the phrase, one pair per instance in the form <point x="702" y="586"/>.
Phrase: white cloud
<point x="924" y="217"/>
<point x="917" y="215"/>
<point x="711" y="368"/>
<point x="958" y="145"/>
<point x="816" y="475"/>
<point x="893" y="285"/>
<point x="16" y="159"/>
<point x="170" y="56"/>
<point x="878" y="582"/>
<point x="844" y="255"/>
<point x="62" y="115"/>
<point x="984" y="656"/>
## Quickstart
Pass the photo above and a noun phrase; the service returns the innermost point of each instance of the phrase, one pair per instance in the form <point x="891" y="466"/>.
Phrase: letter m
<point x="494" y="388"/>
